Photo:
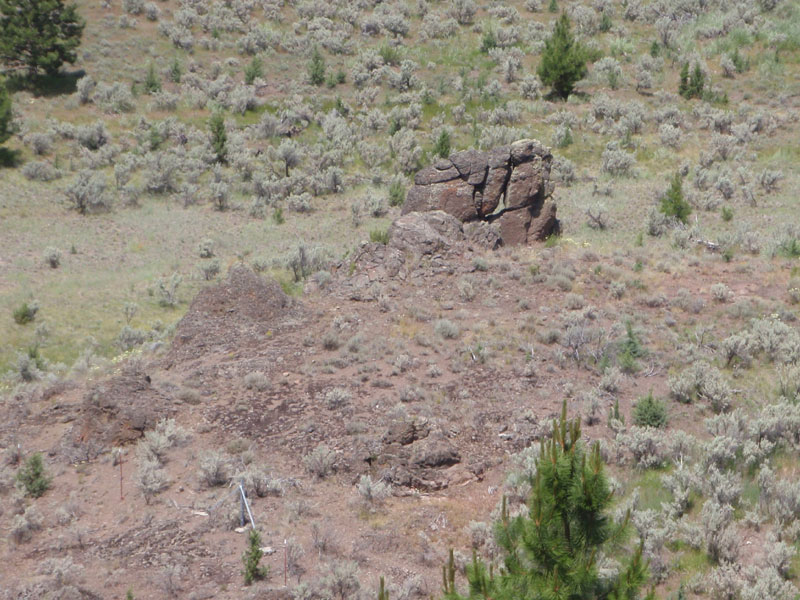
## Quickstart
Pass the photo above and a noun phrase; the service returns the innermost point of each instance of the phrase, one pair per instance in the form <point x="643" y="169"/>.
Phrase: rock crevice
<point x="508" y="185"/>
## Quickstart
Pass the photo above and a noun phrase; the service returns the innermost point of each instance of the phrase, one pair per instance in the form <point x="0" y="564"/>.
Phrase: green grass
<point x="789" y="248"/>
<point x="751" y="492"/>
<point x="652" y="493"/>
<point x="787" y="155"/>
<point x="25" y="313"/>
<point x="251" y="117"/>
<point x="552" y="241"/>
<point x="451" y="57"/>
<point x="286" y="280"/>
<point x="794" y="565"/>
<point x="584" y="150"/>
<point x="737" y="38"/>
<point x="690" y="561"/>
<point x="646" y="154"/>
<point x="85" y="296"/>
<point x="788" y="24"/>
<point x="381" y="236"/>
<point x="431" y="110"/>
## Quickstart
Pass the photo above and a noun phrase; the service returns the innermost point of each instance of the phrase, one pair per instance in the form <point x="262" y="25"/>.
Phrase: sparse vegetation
<point x="368" y="393"/>
<point x="446" y="329"/>
<point x="320" y="462"/>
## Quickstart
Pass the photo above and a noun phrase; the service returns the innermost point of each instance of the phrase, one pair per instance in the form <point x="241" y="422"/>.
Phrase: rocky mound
<point x="436" y="240"/>
<point x="241" y="312"/>
<point x="508" y="185"/>
<point x="114" y="412"/>
<point x="243" y="308"/>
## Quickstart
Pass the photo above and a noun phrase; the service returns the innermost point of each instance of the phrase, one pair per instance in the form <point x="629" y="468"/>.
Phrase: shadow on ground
<point x="47" y="86"/>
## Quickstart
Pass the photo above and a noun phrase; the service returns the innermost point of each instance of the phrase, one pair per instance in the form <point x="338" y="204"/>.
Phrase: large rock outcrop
<point x="508" y="185"/>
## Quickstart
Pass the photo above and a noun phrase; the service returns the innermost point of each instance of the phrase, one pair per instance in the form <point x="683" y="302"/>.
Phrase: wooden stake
<point x="120" y="476"/>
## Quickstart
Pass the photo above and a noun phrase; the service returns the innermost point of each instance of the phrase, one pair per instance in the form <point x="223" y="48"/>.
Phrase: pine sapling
<point x="553" y="550"/>
<point x="33" y="477"/>
<point x="152" y="83"/>
<point x="5" y="112"/>
<point x="176" y="71"/>
<point x="442" y="146"/>
<point x="563" y="60"/>
<point x="683" y="81"/>
<point x="252" y="556"/>
<point x="316" y="68"/>
<point x="383" y="593"/>
<point x="673" y="203"/>
<point x="253" y="70"/>
<point x="219" y="138"/>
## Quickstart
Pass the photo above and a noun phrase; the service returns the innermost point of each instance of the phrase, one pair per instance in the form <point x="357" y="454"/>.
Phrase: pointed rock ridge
<point x="507" y="185"/>
<point x="235" y="312"/>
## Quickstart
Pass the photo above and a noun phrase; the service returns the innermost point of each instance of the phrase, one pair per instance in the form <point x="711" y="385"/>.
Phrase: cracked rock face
<point x="507" y="185"/>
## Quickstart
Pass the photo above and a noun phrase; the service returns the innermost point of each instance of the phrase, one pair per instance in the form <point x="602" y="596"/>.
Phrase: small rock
<point x="435" y="453"/>
<point x="425" y="233"/>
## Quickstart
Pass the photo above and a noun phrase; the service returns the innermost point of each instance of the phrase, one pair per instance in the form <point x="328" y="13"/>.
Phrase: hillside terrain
<point x="214" y="274"/>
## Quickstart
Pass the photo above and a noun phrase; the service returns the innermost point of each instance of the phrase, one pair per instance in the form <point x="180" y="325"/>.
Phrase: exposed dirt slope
<point x="426" y="374"/>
